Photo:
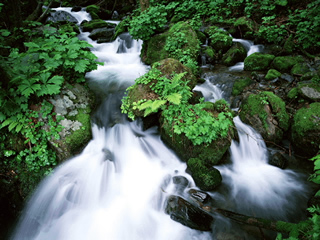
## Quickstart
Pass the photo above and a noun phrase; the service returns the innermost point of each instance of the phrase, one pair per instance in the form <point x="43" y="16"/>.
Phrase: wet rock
<point x="278" y="159"/>
<point x="237" y="53"/>
<point x="287" y="77"/>
<point x="258" y="61"/>
<point x="61" y="16"/>
<point x="94" y="11"/>
<point x="239" y="85"/>
<point x="206" y="178"/>
<point x="305" y="130"/>
<point x="181" y="183"/>
<point x="102" y="34"/>
<point x="199" y="196"/>
<point x="267" y="114"/>
<point x="187" y="214"/>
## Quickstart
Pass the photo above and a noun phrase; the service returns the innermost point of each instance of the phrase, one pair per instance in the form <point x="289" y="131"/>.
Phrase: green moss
<point x="219" y="39"/>
<point x="285" y="63"/>
<point x="237" y="53"/>
<point x="122" y="27"/>
<point x="94" y="24"/>
<point x="300" y="69"/>
<point x="239" y="85"/>
<point x="80" y="137"/>
<point x="206" y="179"/>
<point x="258" y="61"/>
<point x="93" y="10"/>
<point x="153" y="49"/>
<point x="272" y="74"/>
<point x="289" y="45"/>
<point x="293" y="93"/>
<point x="210" y="52"/>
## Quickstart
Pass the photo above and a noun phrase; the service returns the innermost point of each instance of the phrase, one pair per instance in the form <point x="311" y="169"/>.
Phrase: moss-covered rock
<point x="240" y="84"/>
<point x="272" y="74"/>
<point x="300" y="69"/>
<point x="96" y="23"/>
<point x="285" y="63"/>
<point x="267" y="114"/>
<point x="160" y="46"/>
<point x="122" y="27"/>
<point x="258" y="61"/>
<point x="93" y="10"/>
<point x="207" y="179"/>
<point x="210" y="54"/>
<point x="237" y="53"/>
<point x="306" y="130"/>
<point x="219" y="39"/>
<point x="246" y="27"/>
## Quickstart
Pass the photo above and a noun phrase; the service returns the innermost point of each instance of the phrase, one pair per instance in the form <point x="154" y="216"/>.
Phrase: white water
<point x="116" y="188"/>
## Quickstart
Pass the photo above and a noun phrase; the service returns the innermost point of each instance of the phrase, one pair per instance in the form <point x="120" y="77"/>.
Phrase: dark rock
<point x="61" y="16"/>
<point x="104" y="34"/>
<point x="199" y="196"/>
<point x="181" y="183"/>
<point x="96" y="24"/>
<point x="278" y="159"/>
<point x="76" y="9"/>
<point x="187" y="214"/>
<point x="287" y="77"/>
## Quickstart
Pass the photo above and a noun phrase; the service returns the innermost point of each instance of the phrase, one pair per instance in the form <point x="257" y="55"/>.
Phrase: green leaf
<point x="157" y="104"/>
<point x="174" y="98"/>
<point x="31" y="45"/>
<point x="72" y="54"/>
<point x="145" y="105"/>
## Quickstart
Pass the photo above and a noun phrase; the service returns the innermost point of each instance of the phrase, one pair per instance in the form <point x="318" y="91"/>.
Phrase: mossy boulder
<point x="267" y="114"/>
<point x="122" y="27"/>
<point x="210" y="153"/>
<point x="207" y="179"/>
<point x="285" y="63"/>
<point x="306" y="130"/>
<point x="155" y="48"/>
<point x="96" y="23"/>
<point x="210" y="54"/>
<point x="237" y="53"/>
<point x="93" y="10"/>
<point x="240" y="84"/>
<point x="219" y="39"/>
<point x="300" y="69"/>
<point x="272" y="74"/>
<point x="246" y="27"/>
<point x="258" y="61"/>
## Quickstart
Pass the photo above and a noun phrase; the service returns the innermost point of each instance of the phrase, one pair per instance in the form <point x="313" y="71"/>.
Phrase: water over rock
<point x="61" y="16"/>
<point x="187" y="214"/>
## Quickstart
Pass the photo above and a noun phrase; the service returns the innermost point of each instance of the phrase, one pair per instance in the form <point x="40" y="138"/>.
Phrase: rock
<point x="285" y="63"/>
<point x="237" y="53"/>
<point x="300" y="69"/>
<point x="122" y="27"/>
<point x="76" y="9"/>
<point x="258" y="61"/>
<point x="95" y="24"/>
<point x="206" y="178"/>
<point x="93" y="10"/>
<point x="187" y="214"/>
<point x="61" y="16"/>
<point x="272" y="74"/>
<point x="305" y="130"/>
<point x="181" y="183"/>
<point x="239" y="85"/>
<point x="219" y="39"/>
<point x="308" y="91"/>
<point x="102" y="34"/>
<point x="199" y="196"/>
<point x="210" y="55"/>
<point x="278" y="159"/>
<point x="154" y="49"/>
<point x="267" y="114"/>
<point x="246" y="28"/>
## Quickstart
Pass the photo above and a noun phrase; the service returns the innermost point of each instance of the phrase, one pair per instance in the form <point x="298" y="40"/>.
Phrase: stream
<point x="116" y="189"/>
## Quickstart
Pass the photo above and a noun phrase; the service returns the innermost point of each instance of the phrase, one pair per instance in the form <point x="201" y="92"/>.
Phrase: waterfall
<point x="116" y="188"/>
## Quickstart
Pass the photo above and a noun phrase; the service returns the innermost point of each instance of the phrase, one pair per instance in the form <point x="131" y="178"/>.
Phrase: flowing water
<point x="117" y="187"/>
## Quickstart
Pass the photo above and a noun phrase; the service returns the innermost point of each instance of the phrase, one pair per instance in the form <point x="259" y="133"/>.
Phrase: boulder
<point x="240" y="84"/>
<point x="267" y="114"/>
<point x="305" y="130"/>
<point x="200" y="197"/>
<point x="180" y="210"/>
<point x="285" y="63"/>
<point x="95" y="24"/>
<point x="300" y="69"/>
<point x="181" y="183"/>
<point x="160" y="47"/>
<point x="206" y="178"/>
<point x="308" y="91"/>
<point x="210" y="54"/>
<point x="258" y="61"/>
<point x="237" y="53"/>
<point x="93" y="10"/>
<point x="219" y="39"/>
<point x="102" y="34"/>
<point x="61" y="16"/>
<point x="272" y="74"/>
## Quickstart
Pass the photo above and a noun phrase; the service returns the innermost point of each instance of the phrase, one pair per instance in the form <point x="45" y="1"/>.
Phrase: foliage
<point x="148" y="22"/>
<point x="198" y="124"/>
